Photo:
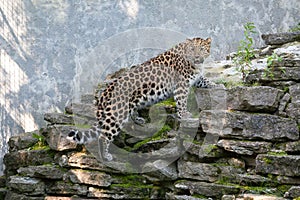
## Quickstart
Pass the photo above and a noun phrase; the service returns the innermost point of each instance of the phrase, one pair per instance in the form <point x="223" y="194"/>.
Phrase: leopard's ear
<point x="208" y="39"/>
<point x="189" y="40"/>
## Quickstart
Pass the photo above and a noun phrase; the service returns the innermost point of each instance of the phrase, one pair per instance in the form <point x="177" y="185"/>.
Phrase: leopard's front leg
<point x="181" y="98"/>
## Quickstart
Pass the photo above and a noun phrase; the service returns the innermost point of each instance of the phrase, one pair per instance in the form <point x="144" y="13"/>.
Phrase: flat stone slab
<point x="27" y="185"/>
<point x="254" y="99"/>
<point x="58" y="118"/>
<point x="15" y="196"/>
<point x="198" y="171"/>
<point x="280" y="38"/>
<point x="42" y="171"/>
<point x="245" y="147"/>
<point x="82" y="110"/>
<point x="26" y="158"/>
<point x="56" y="137"/>
<point x="291" y="146"/>
<point x="286" y="165"/>
<point x="161" y="169"/>
<point x="259" y="197"/>
<point x="294" y="91"/>
<point x="84" y="161"/>
<point x="293" y="192"/>
<point x="22" y="141"/>
<point x="90" y="177"/>
<point x="249" y="179"/>
<point x="290" y="74"/>
<point x="293" y="111"/>
<point x="211" y="99"/>
<point x="246" y="126"/>
<point x="63" y="188"/>
<point x="172" y="196"/>
<point x="66" y="119"/>
<point x="204" y="151"/>
<point x="206" y="189"/>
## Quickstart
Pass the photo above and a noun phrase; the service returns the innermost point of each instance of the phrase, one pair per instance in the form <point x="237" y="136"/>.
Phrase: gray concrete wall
<point x="53" y="51"/>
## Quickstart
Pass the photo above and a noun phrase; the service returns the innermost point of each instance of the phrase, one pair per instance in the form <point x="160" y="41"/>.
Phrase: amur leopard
<point x="171" y="73"/>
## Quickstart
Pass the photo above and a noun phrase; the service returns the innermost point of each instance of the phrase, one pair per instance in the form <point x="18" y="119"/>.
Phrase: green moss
<point x="168" y="102"/>
<point x="282" y="189"/>
<point x="256" y="189"/>
<point x="286" y="89"/>
<point x="131" y="186"/>
<point x="229" y="83"/>
<point x="133" y="181"/>
<point x="210" y="147"/>
<point x="223" y="180"/>
<point x="157" y="136"/>
<point x="267" y="160"/>
<point x="196" y="142"/>
<point x="39" y="147"/>
<point x="277" y="153"/>
<point x="41" y="143"/>
<point x="133" y="178"/>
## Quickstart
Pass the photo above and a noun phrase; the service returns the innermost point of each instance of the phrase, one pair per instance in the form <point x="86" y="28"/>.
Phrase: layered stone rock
<point x="24" y="158"/>
<point x="245" y="147"/>
<point x="27" y="185"/>
<point x="206" y="189"/>
<point x="286" y="165"/>
<point x="254" y="99"/>
<point x="281" y="38"/>
<point x="56" y="137"/>
<point x="198" y="171"/>
<point x="42" y="171"/>
<point x="90" y="177"/>
<point x="66" y="188"/>
<point x="22" y="141"/>
<point x="294" y="192"/>
<point x="227" y="124"/>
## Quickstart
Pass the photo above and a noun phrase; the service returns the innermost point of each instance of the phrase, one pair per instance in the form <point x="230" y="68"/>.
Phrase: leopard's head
<point x="197" y="49"/>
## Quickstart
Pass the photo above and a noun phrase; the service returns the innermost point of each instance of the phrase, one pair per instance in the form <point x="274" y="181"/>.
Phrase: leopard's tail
<point x="83" y="137"/>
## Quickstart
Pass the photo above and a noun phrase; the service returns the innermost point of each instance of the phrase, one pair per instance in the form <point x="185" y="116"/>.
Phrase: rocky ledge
<point x="245" y="145"/>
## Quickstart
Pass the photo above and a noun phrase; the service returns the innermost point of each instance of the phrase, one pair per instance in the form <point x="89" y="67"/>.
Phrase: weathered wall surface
<point x="45" y="44"/>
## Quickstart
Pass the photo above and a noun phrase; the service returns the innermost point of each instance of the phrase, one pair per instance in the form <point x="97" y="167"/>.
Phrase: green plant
<point x="245" y="51"/>
<point x="295" y="28"/>
<point x="41" y="139"/>
<point x="270" y="65"/>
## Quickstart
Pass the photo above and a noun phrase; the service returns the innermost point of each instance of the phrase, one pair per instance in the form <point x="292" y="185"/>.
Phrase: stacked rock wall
<point x="247" y="145"/>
